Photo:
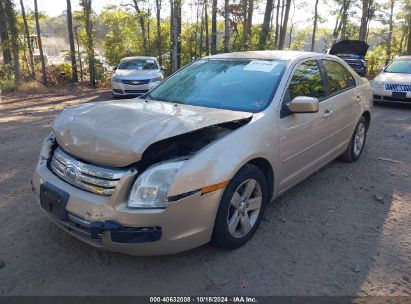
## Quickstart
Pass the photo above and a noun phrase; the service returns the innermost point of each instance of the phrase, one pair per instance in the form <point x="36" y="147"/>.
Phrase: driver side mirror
<point x="115" y="67"/>
<point x="304" y="104"/>
<point x="162" y="68"/>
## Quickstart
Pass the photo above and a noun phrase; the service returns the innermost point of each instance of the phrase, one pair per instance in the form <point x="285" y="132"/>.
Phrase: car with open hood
<point x="134" y="76"/>
<point x="353" y="52"/>
<point x="393" y="84"/>
<point x="198" y="158"/>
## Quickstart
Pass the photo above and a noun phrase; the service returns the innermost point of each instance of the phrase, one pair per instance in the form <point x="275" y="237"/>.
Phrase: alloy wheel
<point x="244" y="208"/>
<point x="359" y="139"/>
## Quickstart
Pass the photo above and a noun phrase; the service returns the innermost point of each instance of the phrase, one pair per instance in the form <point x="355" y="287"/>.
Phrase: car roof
<point x="403" y="57"/>
<point x="269" y="55"/>
<point x="139" y="57"/>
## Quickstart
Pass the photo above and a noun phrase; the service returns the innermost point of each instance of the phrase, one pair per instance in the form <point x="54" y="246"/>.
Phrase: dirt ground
<point x="344" y="231"/>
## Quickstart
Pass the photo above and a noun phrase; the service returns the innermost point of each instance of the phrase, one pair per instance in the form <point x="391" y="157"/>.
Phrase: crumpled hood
<point x="116" y="133"/>
<point x="396" y="78"/>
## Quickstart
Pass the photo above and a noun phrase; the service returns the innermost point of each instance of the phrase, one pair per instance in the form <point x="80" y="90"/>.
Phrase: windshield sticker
<point x="150" y="61"/>
<point x="260" y="66"/>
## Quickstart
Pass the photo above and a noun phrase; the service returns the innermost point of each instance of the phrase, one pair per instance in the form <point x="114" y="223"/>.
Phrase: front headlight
<point x="150" y="189"/>
<point x="115" y="79"/>
<point x="377" y="84"/>
<point x="157" y="79"/>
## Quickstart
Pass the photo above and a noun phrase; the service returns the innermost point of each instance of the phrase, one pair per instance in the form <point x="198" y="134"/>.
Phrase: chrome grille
<point x="96" y="179"/>
<point x="398" y="87"/>
<point x="135" y="82"/>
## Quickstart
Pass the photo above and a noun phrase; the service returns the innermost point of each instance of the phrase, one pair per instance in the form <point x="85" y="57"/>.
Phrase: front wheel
<point x="357" y="142"/>
<point x="241" y="208"/>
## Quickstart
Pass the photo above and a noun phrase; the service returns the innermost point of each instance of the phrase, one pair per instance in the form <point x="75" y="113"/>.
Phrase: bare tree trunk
<point x="214" y="27"/>
<point x="364" y="20"/>
<point x="11" y="23"/>
<point x="201" y="30"/>
<point x="344" y="20"/>
<point x="314" y="25"/>
<point x="207" y="34"/>
<point x="43" y="62"/>
<point x="140" y="17"/>
<point x="226" y="26"/>
<point x="4" y="36"/>
<point x="404" y="32"/>
<point x="148" y="29"/>
<point x="158" y="11"/>
<point x="409" y="38"/>
<point x="244" y="5"/>
<point x="178" y="4"/>
<point x="266" y="25"/>
<point x="390" y="30"/>
<point x="277" y="25"/>
<point x="90" y="48"/>
<point x="196" y="31"/>
<point x="79" y="54"/>
<point x="174" y="37"/>
<point x="249" y="23"/>
<point x="337" y="27"/>
<point x="283" y="30"/>
<point x="26" y="32"/>
<point x="74" y="75"/>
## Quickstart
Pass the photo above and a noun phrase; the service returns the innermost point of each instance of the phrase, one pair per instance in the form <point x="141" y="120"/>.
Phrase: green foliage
<point x="100" y="70"/>
<point x="59" y="74"/>
<point x="300" y="39"/>
<point x="7" y="80"/>
<point x="376" y="59"/>
<point x="122" y="39"/>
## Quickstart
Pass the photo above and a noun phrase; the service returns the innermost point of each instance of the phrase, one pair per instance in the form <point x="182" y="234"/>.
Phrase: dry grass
<point x="32" y="87"/>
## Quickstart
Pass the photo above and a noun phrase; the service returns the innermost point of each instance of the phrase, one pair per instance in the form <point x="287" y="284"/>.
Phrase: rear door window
<point x="338" y="77"/>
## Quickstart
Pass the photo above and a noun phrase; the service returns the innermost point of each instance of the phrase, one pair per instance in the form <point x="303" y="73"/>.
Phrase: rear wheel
<point x="241" y="208"/>
<point x="357" y="142"/>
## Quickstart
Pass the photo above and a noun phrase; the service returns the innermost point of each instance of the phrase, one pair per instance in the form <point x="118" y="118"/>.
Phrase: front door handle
<point x="327" y="113"/>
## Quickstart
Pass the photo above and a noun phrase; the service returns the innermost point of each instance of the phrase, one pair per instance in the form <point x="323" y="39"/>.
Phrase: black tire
<point x="221" y="236"/>
<point x="349" y="155"/>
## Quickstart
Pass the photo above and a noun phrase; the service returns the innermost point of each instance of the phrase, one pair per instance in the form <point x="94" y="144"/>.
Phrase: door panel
<point x="305" y="137"/>
<point x="346" y="99"/>
<point x="304" y="144"/>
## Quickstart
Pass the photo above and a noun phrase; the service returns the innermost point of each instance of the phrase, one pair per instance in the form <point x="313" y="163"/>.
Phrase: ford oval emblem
<point x="72" y="172"/>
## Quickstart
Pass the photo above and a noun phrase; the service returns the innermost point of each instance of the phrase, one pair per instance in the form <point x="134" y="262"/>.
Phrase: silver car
<point x="198" y="158"/>
<point x="135" y="76"/>
<point x="393" y="84"/>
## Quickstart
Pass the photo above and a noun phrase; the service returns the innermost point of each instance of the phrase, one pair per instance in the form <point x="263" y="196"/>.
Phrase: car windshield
<point x="399" y="66"/>
<point x="233" y="84"/>
<point x="138" y="64"/>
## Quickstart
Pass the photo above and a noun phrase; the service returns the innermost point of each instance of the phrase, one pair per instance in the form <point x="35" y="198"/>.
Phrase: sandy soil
<point x="344" y="231"/>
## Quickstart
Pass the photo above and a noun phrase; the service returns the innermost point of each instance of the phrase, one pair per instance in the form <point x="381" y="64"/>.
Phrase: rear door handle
<point x="327" y="113"/>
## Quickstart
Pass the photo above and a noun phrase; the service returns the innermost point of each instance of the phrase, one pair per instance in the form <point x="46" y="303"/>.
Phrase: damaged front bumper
<point x="106" y="222"/>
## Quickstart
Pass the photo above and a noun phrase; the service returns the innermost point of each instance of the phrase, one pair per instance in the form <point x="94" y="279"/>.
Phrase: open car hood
<point x="354" y="47"/>
<point x="116" y="133"/>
